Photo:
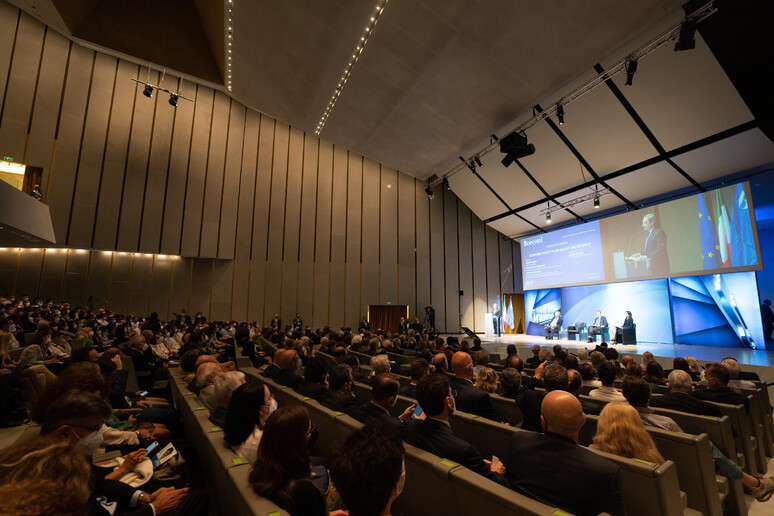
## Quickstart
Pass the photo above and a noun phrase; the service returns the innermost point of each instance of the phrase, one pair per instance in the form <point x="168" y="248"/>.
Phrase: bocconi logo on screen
<point x="538" y="240"/>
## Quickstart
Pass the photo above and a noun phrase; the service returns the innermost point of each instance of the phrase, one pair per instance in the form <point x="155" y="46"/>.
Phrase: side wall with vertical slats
<point x="268" y="218"/>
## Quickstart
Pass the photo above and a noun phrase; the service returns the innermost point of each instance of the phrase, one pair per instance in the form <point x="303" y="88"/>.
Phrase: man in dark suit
<point x="680" y="398"/>
<point x="419" y="369"/>
<point x="600" y="323"/>
<point x="554" y="469"/>
<point x="339" y="396"/>
<point x="384" y="396"/>
<point x="314" y="385"/>
<point x="402" y="326"/>
<point x="467" y="396"/>
<point x="534" y="360"/>
<point x="433" y="433"/>
<point x="655" y="248"/>
<point x="288" y="363"/>
<point x="552" y="328"/>
<point x="554" y="378"/>
<point x="298" y="323"/>
<point x="276" y="322"/>
<point x="719" y="392"/>
<point x="496" y="313"/>
<point x="364" y="326"/>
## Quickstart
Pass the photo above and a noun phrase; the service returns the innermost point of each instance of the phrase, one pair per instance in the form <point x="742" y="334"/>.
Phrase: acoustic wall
<point x="267" y="217"/>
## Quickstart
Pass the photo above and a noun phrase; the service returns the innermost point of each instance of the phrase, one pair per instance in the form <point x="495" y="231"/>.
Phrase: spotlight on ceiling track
<point x="596" y="202"/>
<point x="478" y="160"/>
<point x="148" y="91"/>
<point x="429" y="191"/>
<point x="548" y="218"/>
<point x="560" y="114"/>
<point x="686" y="39"/>
<point x="173" y="99"/>
<point x="631" y="69"/>
<point x="446" y="183"/>
<point x="515" y="146"/>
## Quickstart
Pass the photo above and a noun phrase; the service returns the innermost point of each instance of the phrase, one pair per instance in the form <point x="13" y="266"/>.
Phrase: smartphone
<point x="495" y="461"/>
<point x="151" y="447"/>
<point x="144" y="393"/>
<point x="417" y="412"/>
<point x="549" y="362"/>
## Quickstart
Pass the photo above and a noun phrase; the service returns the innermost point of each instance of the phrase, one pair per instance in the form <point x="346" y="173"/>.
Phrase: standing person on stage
<point x="655" y="247"/>
<point x="768" y="319"/>
<point x="430" y="317"/>
<point x="552" y="328"/>
<point x="600" y="323"/>
<point x="628" y="323"/>
<point x="496" y="313"/>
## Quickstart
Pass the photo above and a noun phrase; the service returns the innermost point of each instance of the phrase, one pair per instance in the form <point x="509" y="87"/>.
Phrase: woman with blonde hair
<point x="620" y="431"/>
<point x="487" y="380"/>
<point x="647" y="357"/>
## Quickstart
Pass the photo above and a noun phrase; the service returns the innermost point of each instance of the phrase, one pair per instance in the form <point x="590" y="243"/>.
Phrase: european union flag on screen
<point x="709" y="239"/>
<point x="742" y="243"/>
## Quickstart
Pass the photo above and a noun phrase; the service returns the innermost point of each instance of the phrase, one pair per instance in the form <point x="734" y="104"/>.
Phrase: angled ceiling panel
<point x="647" y="182"/>
<point x="511" y="226"/>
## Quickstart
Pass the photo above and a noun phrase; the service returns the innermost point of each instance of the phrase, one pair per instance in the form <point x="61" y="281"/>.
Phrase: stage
<point x="759" y="361"/>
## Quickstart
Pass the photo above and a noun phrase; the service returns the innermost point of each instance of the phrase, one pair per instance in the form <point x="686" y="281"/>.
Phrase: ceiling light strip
<point x="229" y="42"/>
<point x="369" y="29"/>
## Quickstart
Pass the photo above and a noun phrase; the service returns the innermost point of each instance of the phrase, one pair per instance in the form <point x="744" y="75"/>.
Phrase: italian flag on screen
<point x="724" y="230"/>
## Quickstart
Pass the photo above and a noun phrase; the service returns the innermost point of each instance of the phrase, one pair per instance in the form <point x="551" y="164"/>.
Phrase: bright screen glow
<point x="713" y="232"/>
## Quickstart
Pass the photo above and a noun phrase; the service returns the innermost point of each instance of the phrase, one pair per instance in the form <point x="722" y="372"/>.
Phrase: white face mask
<point x="89" y="444"/>
<point x="145" y="347"/>
<point x="272" y="406"/>
<point x="12" y="328"/>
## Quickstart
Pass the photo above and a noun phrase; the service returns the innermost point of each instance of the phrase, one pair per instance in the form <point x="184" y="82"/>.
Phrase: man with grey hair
<point x="583" y="355"/>
<point x="224" y="386"/>
<point x="380" y="364"/>
<point x="597" y="357"/>
<point x="654" y="248"/>
<point x="734" y="370"/>
<point x="534" y="360"/>
<point x="205" y="381"/>
<point x="680" y="397"/>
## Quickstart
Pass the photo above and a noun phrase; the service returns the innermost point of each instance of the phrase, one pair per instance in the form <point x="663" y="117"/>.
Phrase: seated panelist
<point x="627" y="323"/>
<point x="600" y="323"/>
<point x="552" y="328"/>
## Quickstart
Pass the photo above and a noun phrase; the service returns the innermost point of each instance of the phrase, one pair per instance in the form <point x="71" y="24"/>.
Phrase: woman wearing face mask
<point x="250" y="406"/>
<point x="38" y="375"/>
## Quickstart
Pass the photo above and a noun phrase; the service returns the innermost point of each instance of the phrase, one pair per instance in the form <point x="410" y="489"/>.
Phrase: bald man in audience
<point x="534" y="360"/>
<point x="467" y="396"/>
<point x="205" y="382"/>
<point x="553" y="468"/>
<point x="440" y="363"/>
<point x="288" y="363"/>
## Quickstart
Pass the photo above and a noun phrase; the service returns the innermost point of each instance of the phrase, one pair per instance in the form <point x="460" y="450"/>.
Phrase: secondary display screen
<point x="713" y="232"/>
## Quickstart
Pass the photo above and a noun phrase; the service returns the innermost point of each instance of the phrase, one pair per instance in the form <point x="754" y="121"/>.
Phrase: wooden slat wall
<point x="268" y="218"/>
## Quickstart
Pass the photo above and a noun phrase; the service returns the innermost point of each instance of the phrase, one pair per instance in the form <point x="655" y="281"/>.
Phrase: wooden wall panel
<point x="17" y="104"/>
<point x="213" y="188"/>
<point x="84" y="206"/>
<point x="155" y="189"/>
<point x="322" y="255"/>
<point x="369" y="287"/>
<point x="480" y="300"/>
<point x="197" y="167"/>
<point x="307" y="234"/>
<point x="273" y="292"/>
<point x="160" y="287"/>
<point x="352" y="310"/>
<point x="178" y="174"/>
<point x="140" y="284"/>
<point x="506" y="265"/>
<point x="222" y="281"/>
<point x="120" y="281"/>
<point x="180" y="294"/>
<point x="201" y="286"/>
<point x="467" y="317"/>
<point x="292" y="226"/>
<point x="407" y="292"/>
<point x="9" y="21"/>
<point x="76" y="274"/>
<point x="422" y="237"/>
<point x="98" y="279"/>
<point x="518" y="278"/>
<point x="339" y="221"/>
<point x="8" y="259"/>
<point x="28" y="271"/>
<point x="73" y="109"/>
<point x="492" y="267"/>
<point x="116" y="150"/>
<point x="388" y="242"/>
<point x="240" y="290"/>
<point x="52" y="273"/>
<point x="437" y="258"/>
<point x="244" y="225"/>
<point x="231" y="182"/>
<point x="451" y="246"/>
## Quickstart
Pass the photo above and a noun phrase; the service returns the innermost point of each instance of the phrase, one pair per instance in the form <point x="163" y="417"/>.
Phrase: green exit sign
<point x="7" y="158"/>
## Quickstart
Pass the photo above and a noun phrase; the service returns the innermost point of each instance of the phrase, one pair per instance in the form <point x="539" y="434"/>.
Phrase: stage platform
<point x="759" y="361"/>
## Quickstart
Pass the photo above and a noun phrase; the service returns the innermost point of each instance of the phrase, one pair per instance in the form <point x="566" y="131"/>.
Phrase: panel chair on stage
<point x="576" y="332"/>
<point x="626" y="335"/>
<point x="602" y="331"/>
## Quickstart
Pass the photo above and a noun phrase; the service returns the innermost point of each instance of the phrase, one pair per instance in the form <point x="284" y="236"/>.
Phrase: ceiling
<point x="437" y="77"/>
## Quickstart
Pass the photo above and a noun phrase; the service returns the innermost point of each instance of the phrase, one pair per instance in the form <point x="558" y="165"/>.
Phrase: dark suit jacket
<point x="367" y="411"/>
<point x="471" y="399"/>
<point x="722" y="395"/>
<point x="628" y="323"/>
<point x="311" y="390"/>
<point x="602" y="322"/>
<point x="437" y="438"/>
<point x="559" y="322"/>
<point x="533" y="362"/>
<point x="656" y="250"/>
<point x="339" y="402"/>
<point x="558" y="472"/>
<point x="409" y="391"/>
<point x="684" y="402"/>
<point x="288" y="378"/>
<point x="271" y="371"/>
<point x="529" y="403"/>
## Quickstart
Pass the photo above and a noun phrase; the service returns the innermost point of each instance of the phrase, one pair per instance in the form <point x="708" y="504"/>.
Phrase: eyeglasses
<point x="312" y="430"/>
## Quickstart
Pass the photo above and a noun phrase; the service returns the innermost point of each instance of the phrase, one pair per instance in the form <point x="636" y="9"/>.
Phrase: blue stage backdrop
<point x="709" y="310"/>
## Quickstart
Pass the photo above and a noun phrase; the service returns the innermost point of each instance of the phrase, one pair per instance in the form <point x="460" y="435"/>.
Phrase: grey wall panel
<point x="74" y="288"/>
<point x="451" y="246"/>
<point x="28" y="272"/>
<point x="369" y="289"/>
<point x="352" y="303"/>
<point x="307" y="235"/>
<point x="231" y="182"/>
<point x="407" y="291"/>
<point x="116" y="150"/>
<point x="8" y="259"/>
<point x="91" y="153"/>
<point x="201" y="286"/>
<point x="518" y="278"/>
<point x="197" y="167"/>
<point x="73" y="109"/>
<point x="140" y="284"/>
<point x="323" y="235"/>
<point x="478" y="242"/>
<point x="422" y="238"/>
<point x="465" y="265"/>
<point x="161" y="287"/>
<point x="388" y="241"/>
<point x="290" y="264"/>
<point x="337" y="297"/>
<point x="240" y="290"/>
<point x="52" y="273"/>
<point x="9" y="21"/>
<point x="213" y="189"/>
<point x="98" y="278"/>
<point x="437" y="257"/>
<point x="180" y="294"/>
<point x="257" y="280"/>
<point x="120" y="281"/>
<point x="20" y="89"/>
<point x="40" y="145"/>
<point x="137" y="166"/>
<point x="273" y="292"/>
<point x="506" y="265"/>
<point x="244" y="226"/>
<point x="177" y="175"/>
<point x="222" y="281"/>
<point x="263" y="190"/>
<point x="155" y="188"/>
<point x="492" y="267"/>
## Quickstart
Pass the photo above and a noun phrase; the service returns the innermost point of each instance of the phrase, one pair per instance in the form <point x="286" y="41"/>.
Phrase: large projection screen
<point x="709" y="233"/>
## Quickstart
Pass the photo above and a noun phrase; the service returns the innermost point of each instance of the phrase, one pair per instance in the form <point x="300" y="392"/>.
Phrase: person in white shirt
<point x="734" y="370"/>
<point x="606" y="373"/>
<point x="250" y="406"/>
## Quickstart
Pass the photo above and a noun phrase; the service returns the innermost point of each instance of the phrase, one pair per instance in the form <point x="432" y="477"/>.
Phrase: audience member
<point x="510" y="383"/>
<point x="250" y="406"/>
<point x="486" y="380"/>
<point x="719" y="392"/>
<point x="620" y="431"/>
<point x="574" y="387"/>
<point x="225" y="385"/>
<point x="734" y="370"/>
<point x="440" y="363"/>
<point x="315" y="372"/>
<point x="468" y="397"/>
<point x="680" y="398"/>
<point x="554" y="378"/>
<point x="534" y="360"/>
<point x="419" y="369"/>
<point x="385" y="388"/>
<point x="205" y="382"/>
<point x="607" y="392"/>
<point x="339" y="396"/>
<point x="289" y="362"/>
<point x="637" y="393"/>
